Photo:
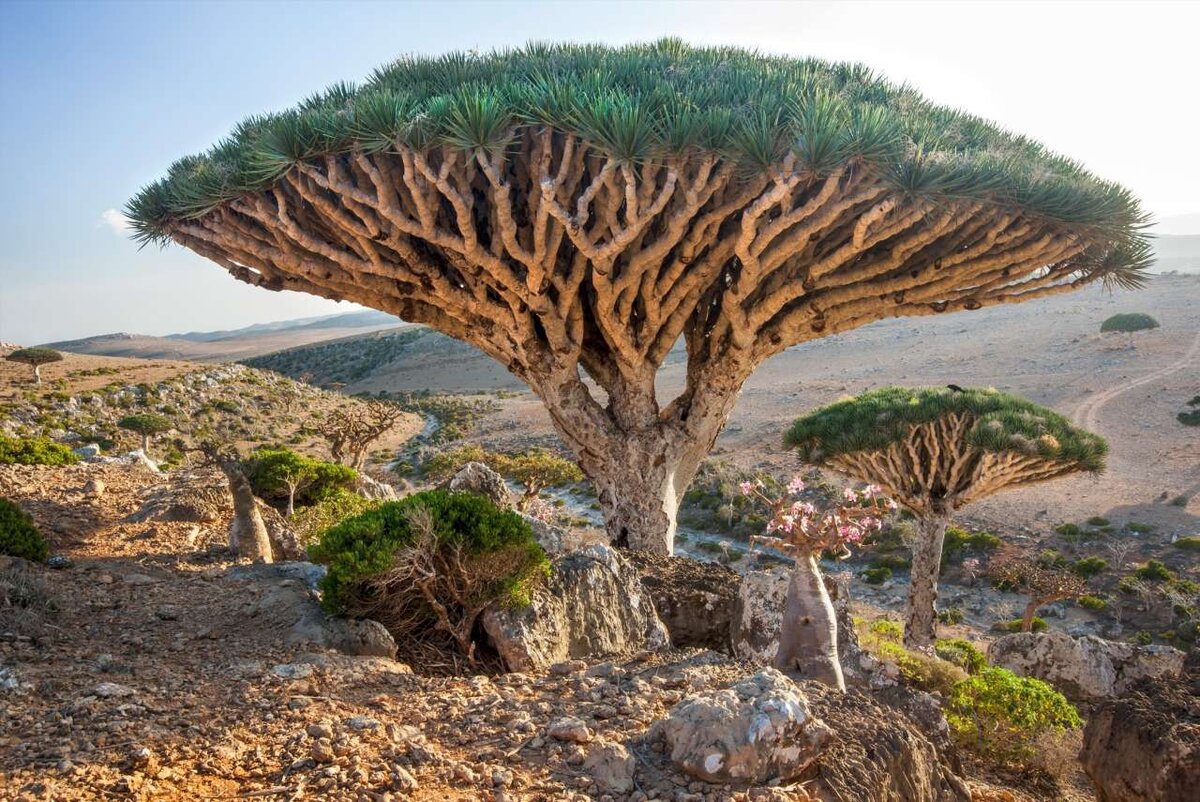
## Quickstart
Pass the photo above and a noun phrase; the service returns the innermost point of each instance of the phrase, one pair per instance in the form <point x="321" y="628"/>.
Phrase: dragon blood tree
<point x="935" y="451"/>
<point x="575" y="211"/>
<point x="808" y="627"/>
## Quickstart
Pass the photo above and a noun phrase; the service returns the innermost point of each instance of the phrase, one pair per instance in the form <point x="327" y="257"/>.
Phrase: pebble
<point x="109" y="690"/>
<point x="320" y="730"/>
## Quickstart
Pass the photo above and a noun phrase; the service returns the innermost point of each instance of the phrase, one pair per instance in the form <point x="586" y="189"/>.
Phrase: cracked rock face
<point x="592" y="606"/>
<point x="477" y="478"/>
<point x="758" y="730"/>
<point x="1084" y="669"/>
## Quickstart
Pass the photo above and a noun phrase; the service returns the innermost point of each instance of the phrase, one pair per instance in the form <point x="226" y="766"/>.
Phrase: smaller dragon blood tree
<point x="1044" y="584"/>
<point x="808" y="630"/>
<point x="936" y="450"/>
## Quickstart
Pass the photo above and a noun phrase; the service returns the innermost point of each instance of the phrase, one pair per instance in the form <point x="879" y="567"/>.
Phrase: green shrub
<point x="1089" y="567"/>
<point x="1039" y="625"/>
<point x="1154" y="571"/>
<point x="1189" y="543"/>
<point x="361" y="548"/>
<point x="896" y="562"/>
<point x="1051" y="558"/>
<point x="1096" y="603"/>
<point x="961" y="653"/>
<point x="1189" y="418"/>
<point x="226" y="405"/>
<point x="1185" y="586"/>
<point x="34" y="451"/>
<point x="953" y="615"/>
<point x="1129" y="322"/>
<point x="19" y="536"/>
<point x="312" y="521"/>
<point x="1143" y="638"/>
<point x="271" y="470"/>
<point x="886" y="629"/>
<point x="1179" y="501"/>
<point x="958" y="542"/>
<point x="999" y="714"/>
<point x="1141" y="529"/>
<point x="877" y="576"/>
<point x="1069" y="530"/>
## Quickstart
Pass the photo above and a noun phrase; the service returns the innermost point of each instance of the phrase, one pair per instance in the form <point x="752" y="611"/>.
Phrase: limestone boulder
<point x="1145" y="746"/>
<point x="592" y="606"/>
<point x="1085" y="669"/>
<point x="477" y="478"/>
<point x="758" y="730"/>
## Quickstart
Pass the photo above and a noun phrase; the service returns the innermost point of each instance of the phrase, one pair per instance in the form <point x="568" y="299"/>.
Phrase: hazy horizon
<point x="109" y="94"/>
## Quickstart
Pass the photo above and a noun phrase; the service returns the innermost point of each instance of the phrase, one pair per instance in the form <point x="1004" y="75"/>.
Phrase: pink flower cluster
<point x="797" y="523"/>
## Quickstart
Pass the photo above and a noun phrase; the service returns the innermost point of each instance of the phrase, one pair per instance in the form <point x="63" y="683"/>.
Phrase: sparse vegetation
<point x="1088" y="567"/>
<point x="1044" y="583"/>
<point x="34" y="451"/>
<point x="1154" y="571"/>
<point x="962" y="653"/>
<point x="312" y="521"/>
<point x="19" y="536"/>
<point x="1188" y="543"/>
<point x="1095" y="603"/>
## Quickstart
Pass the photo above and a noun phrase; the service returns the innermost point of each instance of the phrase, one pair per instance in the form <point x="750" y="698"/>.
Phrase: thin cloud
<point x="115" y="220"/>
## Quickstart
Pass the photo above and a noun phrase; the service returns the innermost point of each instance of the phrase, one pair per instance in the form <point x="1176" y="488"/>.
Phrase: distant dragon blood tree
<point x="1129" y="322"/>
<point x="575" y="211"/>
<point x="937" y="450"/>
<point x="35" y="358"/>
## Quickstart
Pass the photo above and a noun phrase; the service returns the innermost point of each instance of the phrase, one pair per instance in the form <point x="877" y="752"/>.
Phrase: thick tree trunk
<point x="920" y="624"/>
<point x="248" y="537"/>
<point x="37" y="374"/>
<point x="291" y="507"/>
<point x="808" y="632"/>
<point x="146" y="444"/>
<point x="637" y="494"/>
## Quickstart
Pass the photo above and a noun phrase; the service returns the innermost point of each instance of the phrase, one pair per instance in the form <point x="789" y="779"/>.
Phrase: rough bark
<point x="920" y="625"/>
<point x="808" y="632"/>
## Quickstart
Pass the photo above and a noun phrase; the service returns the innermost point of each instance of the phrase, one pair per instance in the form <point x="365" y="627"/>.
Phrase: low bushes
<point x="1039" y="625"/>
<point x="999" y="714"/>
<point x="34" y="451"/>
<point x="1096" y="603"/>
<point x="280" y="475"/>
<point x="1154" y="571"/>
<point x="877" y="576"/>
<point x="19" y="536"/>
<point x="959" y="542"/>
<point x="432" y="560"/>
<point x="961" y="653"/>
<point x="1189" y="543"/>
<point x="882" y="640"/>
<point x="1089" y="566"/>
<point x="310" y="522"/>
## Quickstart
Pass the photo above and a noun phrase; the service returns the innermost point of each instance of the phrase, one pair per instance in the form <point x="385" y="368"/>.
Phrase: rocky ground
<point x="150" y="667"/>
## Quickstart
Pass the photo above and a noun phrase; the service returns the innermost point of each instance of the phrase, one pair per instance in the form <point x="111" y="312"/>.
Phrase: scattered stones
<point x="94" y="488"/>
<point x="760" y="729"/>
<point x="593" y="606"/>
<point x="88" y="451"/>
<point x="167" y="612"/>
<point x="1086" y="669"/>
<point x="361" y="723"/>
<point x="59" y="561"/>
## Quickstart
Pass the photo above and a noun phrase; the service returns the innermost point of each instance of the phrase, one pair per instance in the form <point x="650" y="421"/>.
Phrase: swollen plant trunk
<point x="920" y="624"/>
<point x="808" y="631"/>
<point x="248" y="537"/>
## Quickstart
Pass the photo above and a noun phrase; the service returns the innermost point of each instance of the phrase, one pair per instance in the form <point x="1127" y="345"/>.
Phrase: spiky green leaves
<point x="1001" y="422"/>
<point x="651" y="101"/>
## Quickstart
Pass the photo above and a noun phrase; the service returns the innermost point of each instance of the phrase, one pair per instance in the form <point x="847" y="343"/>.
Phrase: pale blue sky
<point x="97" y="99"/>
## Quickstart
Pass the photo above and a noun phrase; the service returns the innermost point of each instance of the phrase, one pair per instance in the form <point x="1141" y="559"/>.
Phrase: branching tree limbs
<point x="571" y="225"/>
<point x="937" y="450"/>
<point x="1045" y="584"/>
<point x="351" y="429"/>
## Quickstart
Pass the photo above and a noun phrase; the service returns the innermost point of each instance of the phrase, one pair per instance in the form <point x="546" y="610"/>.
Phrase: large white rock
<point x="757" y="615"/>
<point x="758" y="730"/>
<point x="1084" y="669"/>
<point x="592" y="606"/>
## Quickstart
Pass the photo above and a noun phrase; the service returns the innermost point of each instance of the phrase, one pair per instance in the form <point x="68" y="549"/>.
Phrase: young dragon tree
<point x="35" y="358"/>
<point x="935" y="451"/>
<point x="808" y="628"/>
<point x="576" y="211"/>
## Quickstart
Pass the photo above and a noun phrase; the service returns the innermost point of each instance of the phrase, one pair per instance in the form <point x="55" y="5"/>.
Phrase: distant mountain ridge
<point x="366" y="318"/>
<point x="235" y="344"/>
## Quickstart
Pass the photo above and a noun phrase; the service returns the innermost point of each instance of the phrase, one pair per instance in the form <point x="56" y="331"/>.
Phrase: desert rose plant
<point x="808" y="630"/>
<point x="576" y="210"/>
<point x="935" y="450"/>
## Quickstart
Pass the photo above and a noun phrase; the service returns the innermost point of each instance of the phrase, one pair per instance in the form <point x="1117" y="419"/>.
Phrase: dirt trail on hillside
<point x="1087" y="413"/>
